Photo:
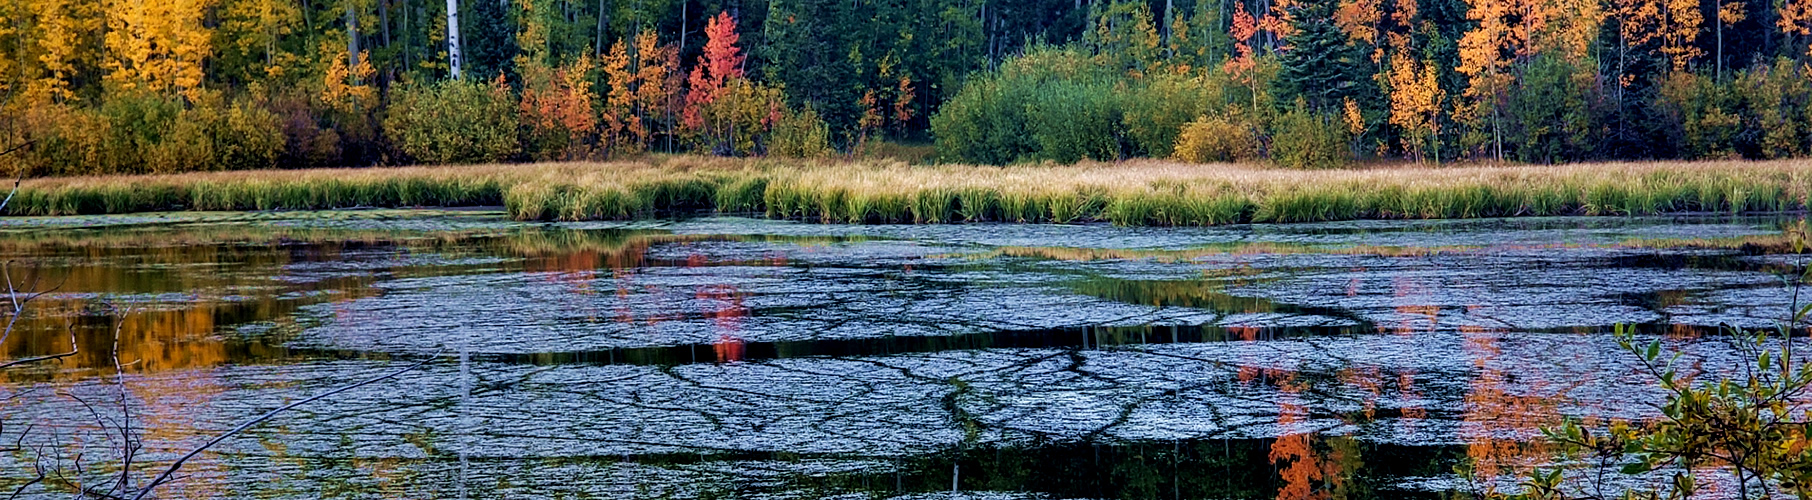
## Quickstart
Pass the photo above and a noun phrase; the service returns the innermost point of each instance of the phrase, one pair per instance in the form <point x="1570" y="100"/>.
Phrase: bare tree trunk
<point x="352" y="38"/>
<point x="453" y="56"/>
<point x="408" y="37"/>
<point x="383" y="10"/>
<point x="603" y="21"/>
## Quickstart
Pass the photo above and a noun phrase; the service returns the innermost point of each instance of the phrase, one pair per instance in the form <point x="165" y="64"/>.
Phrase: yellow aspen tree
<point x="1416" y="98"/>
<point x="1681" y="23"/>
<point x="1569" y="29"/>
<point x="1796" y="20"/>
<point x="59" y="24"/>
<point x="1483" y="61"/>
<point x="253" y="28"/>
<point x="657" y="80"/>
<point x="1638" y="24"/>
<point x="623" y="127"/>
<point x="348" y="88"/>
<point x="157" y="45"/>
<point x="1729" y="13"/>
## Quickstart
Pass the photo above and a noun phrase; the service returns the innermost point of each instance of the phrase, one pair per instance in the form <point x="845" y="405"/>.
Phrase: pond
<point x="741" y="358"/>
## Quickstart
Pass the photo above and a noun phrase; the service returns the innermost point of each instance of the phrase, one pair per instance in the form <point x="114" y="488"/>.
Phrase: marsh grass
<point x="1137" y="193"/>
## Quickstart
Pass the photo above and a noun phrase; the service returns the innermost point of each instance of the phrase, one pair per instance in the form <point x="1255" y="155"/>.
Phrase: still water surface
<point x="738" y="358"/>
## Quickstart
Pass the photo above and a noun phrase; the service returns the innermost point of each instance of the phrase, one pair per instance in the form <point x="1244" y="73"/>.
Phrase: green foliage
<point x="1704" y="111"/>
<point x="800" y="134"/>
<point x="1308" y="140"/>
<point x="1157" y="108"/>
<point x="1075" y="120"/>
<point x="1319" y="67"/>
<point x="454" y="121"/>
<point x="1052" y="103"/>
<point x="1750" y="424"/>
<point x="1550" y="110"/>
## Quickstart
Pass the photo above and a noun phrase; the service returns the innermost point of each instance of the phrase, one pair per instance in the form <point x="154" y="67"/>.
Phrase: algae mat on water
<point x="1129" y="193"/>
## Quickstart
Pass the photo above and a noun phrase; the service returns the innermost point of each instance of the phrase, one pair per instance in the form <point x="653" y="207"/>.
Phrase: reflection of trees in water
<point x="1502" y="412"/>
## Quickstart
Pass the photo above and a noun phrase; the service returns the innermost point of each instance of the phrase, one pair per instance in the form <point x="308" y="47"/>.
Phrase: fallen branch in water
<point x="165" y="477"/>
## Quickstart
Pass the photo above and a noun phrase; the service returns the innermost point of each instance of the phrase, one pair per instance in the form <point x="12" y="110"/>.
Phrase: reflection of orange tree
<point x="1499" y="421"/>
<point x="1309" y="467"/>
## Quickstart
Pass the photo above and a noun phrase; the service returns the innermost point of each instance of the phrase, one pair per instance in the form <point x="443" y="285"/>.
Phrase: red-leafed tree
<point x="721" y="62"/>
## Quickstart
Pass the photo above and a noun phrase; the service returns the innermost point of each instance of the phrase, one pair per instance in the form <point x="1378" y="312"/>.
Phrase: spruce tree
<point x="1318" y="65"/>
<point x="490" y="42"/>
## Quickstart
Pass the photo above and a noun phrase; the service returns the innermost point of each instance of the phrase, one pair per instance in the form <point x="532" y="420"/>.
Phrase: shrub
<point x="246" y="136"/>
<point x="454" y="121"/>
<point x="1302" y="139"/>
<point x="1702" y="109"/>
<point x="1051" y="103"/>
<point x="983" y="123"/>
<point x="1550" y="111"/>
<point x="1159" y="108"/>
<point x="1075" y="120"/>
<point x="736" y="122"/>
<point x="1209" y="140"/>
<point x="800" y="134"/>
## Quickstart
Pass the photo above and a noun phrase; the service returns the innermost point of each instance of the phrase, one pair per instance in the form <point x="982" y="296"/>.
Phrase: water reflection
<point x="644" y="363"/>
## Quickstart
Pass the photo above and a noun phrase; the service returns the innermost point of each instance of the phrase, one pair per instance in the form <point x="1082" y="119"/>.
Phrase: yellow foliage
<point x="1796" y="19"/>
<point x="1415" y="101"/>
<point x="1212" y="140"/>
<point x="349" y="89"/>
<point x="157" y="45"/>
<point x="1681" y="25"/>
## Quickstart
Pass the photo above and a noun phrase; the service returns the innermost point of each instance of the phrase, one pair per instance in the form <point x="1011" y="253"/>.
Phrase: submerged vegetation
<point x="1132" y="193"/>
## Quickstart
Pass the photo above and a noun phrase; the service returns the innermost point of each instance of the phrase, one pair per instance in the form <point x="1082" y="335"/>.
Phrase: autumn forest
<point x="152" y="86"/>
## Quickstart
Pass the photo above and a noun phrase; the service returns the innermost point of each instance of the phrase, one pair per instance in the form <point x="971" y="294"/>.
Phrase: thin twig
<point x="16" y="180"/>
<point x="165" y="476"/>
<point x="73" y="349"/>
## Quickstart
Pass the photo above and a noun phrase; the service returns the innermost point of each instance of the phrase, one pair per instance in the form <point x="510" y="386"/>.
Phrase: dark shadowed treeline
<point x="116" y="86"/>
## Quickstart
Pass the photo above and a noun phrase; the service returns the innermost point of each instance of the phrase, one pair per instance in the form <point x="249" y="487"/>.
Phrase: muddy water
<point x="735" y="358"/>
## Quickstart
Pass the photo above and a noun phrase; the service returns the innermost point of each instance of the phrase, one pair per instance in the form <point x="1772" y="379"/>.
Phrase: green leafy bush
<point x="1302" y="139"/>
<point x="453" y="121"/>
<point x="1158" y="108"/>
<point x="800" y="134"/>
<point x="1051" y="103"/>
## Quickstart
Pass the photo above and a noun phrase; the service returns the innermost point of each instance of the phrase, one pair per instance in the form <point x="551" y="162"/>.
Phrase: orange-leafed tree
<point x="622" y="125"/>
<point x="1243" y="67"/>
<point x="557" y="107"/>
<point x="1415" y="104"/>
<point x="657" y="82"/>
<point x="902" y="103"/>
<point x="1485" y="58"/>
<point x="1796" y="20"/>
<point x="1680" y="27"/>
<point x="720" y="62"/>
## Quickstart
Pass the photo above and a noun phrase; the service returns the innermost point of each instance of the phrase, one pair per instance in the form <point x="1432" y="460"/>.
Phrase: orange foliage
<point x="559" y="100"/>
<point x="1244" y="29"/>
<point x="1682" y="24"/>
<point x="1796" y="19"/>
<point x="721" y="61"/>
<point x="902" y="103"/>
<point x="623" y="127"/>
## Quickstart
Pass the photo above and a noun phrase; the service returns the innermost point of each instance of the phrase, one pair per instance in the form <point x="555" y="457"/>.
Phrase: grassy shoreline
<point x="1137" y="193"/>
